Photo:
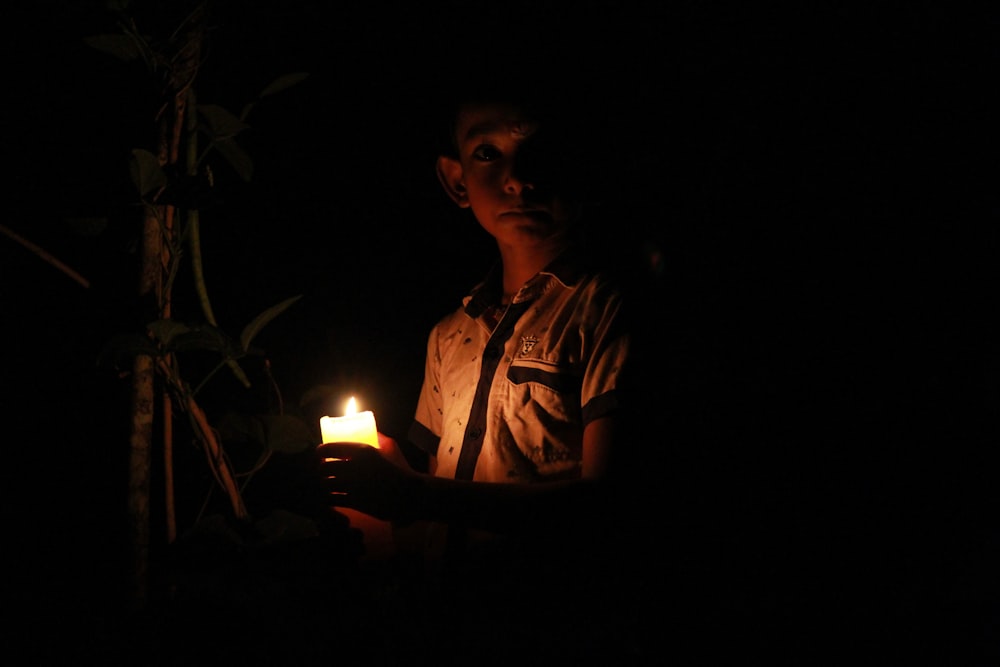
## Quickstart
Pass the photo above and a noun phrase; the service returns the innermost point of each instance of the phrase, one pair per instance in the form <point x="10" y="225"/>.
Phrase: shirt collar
<point x="566" y="269"/>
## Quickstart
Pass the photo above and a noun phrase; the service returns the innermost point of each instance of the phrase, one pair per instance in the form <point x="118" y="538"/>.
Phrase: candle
<point x="360" y="427"/>
<point x="354" y="426"/>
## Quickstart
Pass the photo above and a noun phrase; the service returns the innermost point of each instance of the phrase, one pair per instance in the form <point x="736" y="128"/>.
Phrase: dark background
<point x="822" y="399"/>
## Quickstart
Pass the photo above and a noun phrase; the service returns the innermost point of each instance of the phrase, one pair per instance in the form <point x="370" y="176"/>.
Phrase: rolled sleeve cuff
<point x="600" y="406"/>
<point x="423" y="438"/>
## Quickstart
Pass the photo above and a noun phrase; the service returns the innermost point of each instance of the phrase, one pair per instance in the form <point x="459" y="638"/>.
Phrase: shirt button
<point x="473" y="434"/>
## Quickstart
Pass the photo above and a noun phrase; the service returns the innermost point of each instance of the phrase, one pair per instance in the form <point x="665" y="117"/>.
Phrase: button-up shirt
<point x="507" y="391"/>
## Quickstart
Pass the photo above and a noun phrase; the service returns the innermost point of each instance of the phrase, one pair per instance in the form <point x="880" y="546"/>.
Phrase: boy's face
<point x="507" y="173"/>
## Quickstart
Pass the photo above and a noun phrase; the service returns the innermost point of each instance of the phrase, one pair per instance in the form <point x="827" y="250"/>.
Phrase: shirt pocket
<point x="553" y="388"/>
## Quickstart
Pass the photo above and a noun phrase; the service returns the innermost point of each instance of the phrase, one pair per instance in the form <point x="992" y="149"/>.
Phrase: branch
<point x="45" y="257"/>
<point x="218" y="463"/>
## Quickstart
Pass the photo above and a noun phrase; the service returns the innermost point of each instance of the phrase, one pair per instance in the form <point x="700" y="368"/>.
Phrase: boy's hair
<point x="568" y="99"/>
<point x="575" y="131"/>
<point x="538" y="103"/>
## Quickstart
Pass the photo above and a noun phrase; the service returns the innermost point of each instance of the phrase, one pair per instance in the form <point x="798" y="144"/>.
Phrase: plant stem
<point x="45" y="256"/>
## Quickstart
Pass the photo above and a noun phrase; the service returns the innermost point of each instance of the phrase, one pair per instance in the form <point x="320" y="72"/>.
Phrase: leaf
<point x="213" y="532"/>
<point x="279" y="433"/>
<point x="123" y="47"/>
<point x="288" y="434"/>
<point x="237" y="157"/>
<point x="122" y="349"/>
<point x="237" y="370"/>
<point x="251" y="330"/>
<point x="246" y="110"/>
<point x="282" y="82"/>
<point x="284" y="526"/>
<point x="166" y="330"/>
<point x="146" y="172"/>
<point x="180" y="337"/>
<point x="242" y="428"/>
<point x="220" y="123"/>
<point x="203" y="338"/>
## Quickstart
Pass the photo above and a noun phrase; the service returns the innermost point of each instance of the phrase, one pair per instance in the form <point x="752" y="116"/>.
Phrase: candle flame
<point x="352" y="407"/>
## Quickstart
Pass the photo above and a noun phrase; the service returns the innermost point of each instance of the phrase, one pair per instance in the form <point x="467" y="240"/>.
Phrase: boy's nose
<point x="516" y="183"/>
<point x="525" y="172"/>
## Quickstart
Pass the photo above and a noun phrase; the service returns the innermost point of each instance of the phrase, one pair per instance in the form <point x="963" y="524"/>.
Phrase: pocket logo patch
<point x="527" y="344"/>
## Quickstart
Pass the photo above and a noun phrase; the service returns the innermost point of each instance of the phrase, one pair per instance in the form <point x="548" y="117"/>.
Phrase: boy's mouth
<point x="537" y="214"/>
<point x="526" y="209"/>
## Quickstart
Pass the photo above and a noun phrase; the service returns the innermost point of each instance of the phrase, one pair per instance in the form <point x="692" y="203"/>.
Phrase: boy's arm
<point x="366" y="479"/>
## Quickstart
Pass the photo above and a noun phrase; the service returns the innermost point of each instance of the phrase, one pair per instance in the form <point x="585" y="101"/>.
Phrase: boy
<point x="517" y="413"/>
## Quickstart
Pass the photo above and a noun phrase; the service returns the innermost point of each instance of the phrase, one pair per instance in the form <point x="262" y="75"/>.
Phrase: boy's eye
<point x="486" y="153"/>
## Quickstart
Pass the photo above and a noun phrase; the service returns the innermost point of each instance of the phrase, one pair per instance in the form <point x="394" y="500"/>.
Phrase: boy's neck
<point x="521" y="265"/>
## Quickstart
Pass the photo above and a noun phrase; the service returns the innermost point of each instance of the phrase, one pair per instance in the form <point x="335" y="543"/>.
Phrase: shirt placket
<point x="475" y="430"/>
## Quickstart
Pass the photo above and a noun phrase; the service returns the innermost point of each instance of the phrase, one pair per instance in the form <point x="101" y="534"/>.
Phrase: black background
<point x="822" y="398"/>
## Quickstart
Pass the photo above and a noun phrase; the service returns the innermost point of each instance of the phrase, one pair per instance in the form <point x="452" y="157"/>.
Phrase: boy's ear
<point x="449" y="173"/>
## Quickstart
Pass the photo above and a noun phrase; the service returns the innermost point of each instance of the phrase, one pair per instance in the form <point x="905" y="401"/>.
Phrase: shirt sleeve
<point x="425" y="431"/>
<point x="599" y="393"/>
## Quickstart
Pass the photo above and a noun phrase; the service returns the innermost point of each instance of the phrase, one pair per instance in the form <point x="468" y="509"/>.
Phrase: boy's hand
<point x="378" y="482"/>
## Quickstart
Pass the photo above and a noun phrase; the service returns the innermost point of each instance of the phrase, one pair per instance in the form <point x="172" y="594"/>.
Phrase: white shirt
<point x="508" y="403"/>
